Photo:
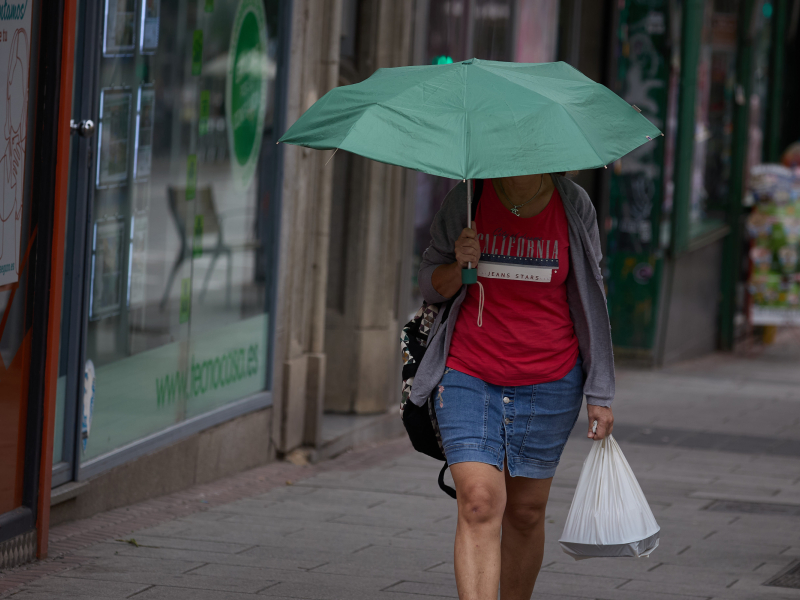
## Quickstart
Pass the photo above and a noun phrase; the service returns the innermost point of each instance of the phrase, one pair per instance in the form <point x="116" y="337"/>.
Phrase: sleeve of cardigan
<point x="445" y="229"/>
<point x="589" y="217"/>
<point x="605" y="349"/>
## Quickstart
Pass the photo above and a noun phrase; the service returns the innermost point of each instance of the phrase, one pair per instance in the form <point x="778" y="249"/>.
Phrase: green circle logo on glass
<point x="246" y="89"/>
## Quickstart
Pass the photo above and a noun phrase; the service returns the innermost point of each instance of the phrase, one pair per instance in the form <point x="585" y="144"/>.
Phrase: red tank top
<point x="527" y="335"/>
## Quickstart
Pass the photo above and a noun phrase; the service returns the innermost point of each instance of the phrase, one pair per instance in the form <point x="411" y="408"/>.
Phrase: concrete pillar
<point x="361" y="342"/>
<point x="302" y="271"/>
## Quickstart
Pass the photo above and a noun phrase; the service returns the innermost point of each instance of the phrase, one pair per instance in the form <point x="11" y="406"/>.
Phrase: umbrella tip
<point x="649" y="138"/>
<point x="636" y="107"/>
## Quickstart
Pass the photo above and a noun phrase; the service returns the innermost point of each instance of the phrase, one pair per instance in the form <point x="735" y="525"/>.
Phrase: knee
<point x="480" y="504"/>
<point x="524" y="517"/>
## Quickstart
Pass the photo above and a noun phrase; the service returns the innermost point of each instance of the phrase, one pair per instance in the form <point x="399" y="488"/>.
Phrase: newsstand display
<point x="773" y="229"/>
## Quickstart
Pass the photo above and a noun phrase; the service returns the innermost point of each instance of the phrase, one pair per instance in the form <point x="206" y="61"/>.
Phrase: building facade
<point x="182" y="298"/>
<point x="704" y="73"/>
<point x="164" y="291"/>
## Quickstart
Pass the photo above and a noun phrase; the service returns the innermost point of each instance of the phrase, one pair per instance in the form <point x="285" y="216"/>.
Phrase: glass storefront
<point x="179" y="242"/>
<point x="716" y="98"/>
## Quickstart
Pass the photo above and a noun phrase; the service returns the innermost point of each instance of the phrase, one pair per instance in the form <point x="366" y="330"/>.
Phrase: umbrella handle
<point x="469" y="275"/>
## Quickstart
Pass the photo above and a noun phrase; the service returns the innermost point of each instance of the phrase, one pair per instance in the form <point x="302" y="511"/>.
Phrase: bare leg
<point x="481" y="502"/>
<point x="523" y="535"/>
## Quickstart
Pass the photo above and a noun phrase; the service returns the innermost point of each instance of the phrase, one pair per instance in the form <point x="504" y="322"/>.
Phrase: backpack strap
<point x="443" y="486"/>
<point x="476" y="196"/>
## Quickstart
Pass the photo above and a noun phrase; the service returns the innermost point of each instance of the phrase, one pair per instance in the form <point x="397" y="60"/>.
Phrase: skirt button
<point x="508" y="421"/>
<point x="506" y="400"/>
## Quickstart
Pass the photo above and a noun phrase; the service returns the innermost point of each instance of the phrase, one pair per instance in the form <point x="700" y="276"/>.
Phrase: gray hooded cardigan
<point x="585" y="292"/>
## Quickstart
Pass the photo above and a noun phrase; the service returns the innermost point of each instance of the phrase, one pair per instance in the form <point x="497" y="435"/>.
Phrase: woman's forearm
<point x="446" y="279"/>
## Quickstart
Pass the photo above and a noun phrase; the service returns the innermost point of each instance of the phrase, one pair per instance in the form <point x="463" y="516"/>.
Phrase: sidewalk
<point x="715" y="445"/>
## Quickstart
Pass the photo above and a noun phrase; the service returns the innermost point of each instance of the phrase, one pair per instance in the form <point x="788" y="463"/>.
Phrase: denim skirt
<point x="525" y="426"/>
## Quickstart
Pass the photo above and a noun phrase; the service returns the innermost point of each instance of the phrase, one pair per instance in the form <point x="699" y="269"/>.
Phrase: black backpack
<point x="420" y="421"/>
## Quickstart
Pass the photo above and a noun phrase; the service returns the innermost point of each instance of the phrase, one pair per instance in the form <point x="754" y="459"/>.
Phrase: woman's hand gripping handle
<point x="601" y="421"/>
<point x="447" y="278"/>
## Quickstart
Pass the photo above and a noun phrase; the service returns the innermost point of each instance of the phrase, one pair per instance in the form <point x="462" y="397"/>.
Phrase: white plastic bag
<point x="609" y="515"/>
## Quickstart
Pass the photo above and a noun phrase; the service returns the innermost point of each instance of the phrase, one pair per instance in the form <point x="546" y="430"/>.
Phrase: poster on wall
<point x="14" y="70"/>
<point x="246" y="90"/>
<point x="151" y="10"/>
<point x="137" y="261"/>
<point x="120" y="29"/>
<point x="88" y="402"/>
<point x="112" y="137"/>
<point x="143" y="157"/>
<point x="105" y="286"/>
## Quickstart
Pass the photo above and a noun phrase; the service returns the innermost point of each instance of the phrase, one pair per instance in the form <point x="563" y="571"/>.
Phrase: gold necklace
<point x="515" y="207"/>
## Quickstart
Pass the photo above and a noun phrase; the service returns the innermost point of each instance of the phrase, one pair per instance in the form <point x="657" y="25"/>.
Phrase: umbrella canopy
<point x="476" y="119"/>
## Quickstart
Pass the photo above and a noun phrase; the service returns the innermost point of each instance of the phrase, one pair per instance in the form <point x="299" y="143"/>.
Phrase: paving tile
<point x="161" y="592"/>
<point x="137" y="564"/>
<point x="190" y="580"/>
<point x="177" y="543"/>
<point x="33" y="594"/>
<point x="748" y="588"/>
<point x="729" y="557"/>
<point x="384" y="559"/>
<point x="681" y="579"/>
<point x="61" y="587"/>
<point x="334" y="592"/>
<point x="581" y="586"/>
<point x="623" y="568"/>
<point x="419" y="588"/>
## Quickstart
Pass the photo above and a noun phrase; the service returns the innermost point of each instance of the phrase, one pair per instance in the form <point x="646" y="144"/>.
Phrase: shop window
<point x="181" y="215"/>
<point x="493" y="30"/>
<point x="448" y="31"/>
<point x="716" y="99"/>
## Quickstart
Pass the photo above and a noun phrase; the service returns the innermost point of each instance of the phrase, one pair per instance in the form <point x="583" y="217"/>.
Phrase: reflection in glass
<point x="150" y="21"/>
<point x="112" y="137"/>
<point x="120" y="28"/>
<point x="716" y="83"/>
<point x="143" y="154"/>
<point x="178" y="321"/>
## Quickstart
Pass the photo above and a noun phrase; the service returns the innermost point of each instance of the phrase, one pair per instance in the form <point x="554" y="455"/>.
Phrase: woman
<point x="520" y="350"/>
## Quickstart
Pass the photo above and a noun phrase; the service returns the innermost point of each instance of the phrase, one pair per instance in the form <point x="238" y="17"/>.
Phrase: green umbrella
<point x="476" y="119"/>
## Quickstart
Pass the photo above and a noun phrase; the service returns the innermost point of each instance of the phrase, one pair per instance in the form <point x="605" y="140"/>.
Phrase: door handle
<point x="82" y="128"/>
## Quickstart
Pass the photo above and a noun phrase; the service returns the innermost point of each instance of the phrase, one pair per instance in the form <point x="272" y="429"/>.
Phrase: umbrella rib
<point x="513" y="80"/>
<point x="516" y="124"/>
<point x="511" y="110"/>
<point x="516" y="81"/>
<point x="586" y="139"/>
<point x="380" y="103"/>
<point x="347" y="135"/>
<point x="466" y="123"/>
